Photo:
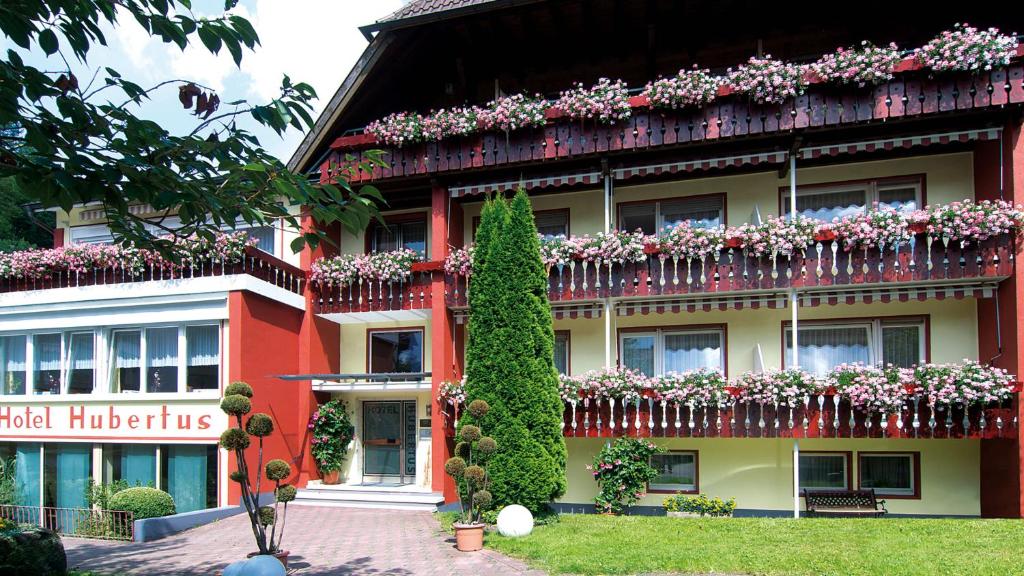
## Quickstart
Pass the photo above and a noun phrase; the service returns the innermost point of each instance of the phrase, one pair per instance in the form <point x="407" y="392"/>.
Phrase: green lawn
<point x="590" y="544"/>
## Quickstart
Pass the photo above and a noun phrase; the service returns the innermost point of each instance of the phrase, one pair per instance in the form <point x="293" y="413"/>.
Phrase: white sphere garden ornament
<point x="234" y="569"/>
<point x="515" y="521"/>
<point x="263" y="565"/>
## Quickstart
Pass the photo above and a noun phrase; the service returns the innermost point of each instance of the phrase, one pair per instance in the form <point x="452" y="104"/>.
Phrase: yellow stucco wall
<point x="759" y="472"/>
<point x="948" y="177"/>
<point x="953" y="329"/>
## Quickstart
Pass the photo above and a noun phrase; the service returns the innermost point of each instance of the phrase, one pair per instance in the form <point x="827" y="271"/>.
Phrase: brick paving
<point x="322" y="541"/>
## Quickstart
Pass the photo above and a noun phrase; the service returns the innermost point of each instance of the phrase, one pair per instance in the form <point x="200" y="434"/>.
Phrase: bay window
<point x="677" y="472"/>
<point x="823" y="346"/>
<point x="654" y="216"/>
<point x="824" y="471"/>
<point x="661" y="351"/>
<point x="828" y="201"/>
<point x="889" y="474"/>
<point x="394" y="351"/>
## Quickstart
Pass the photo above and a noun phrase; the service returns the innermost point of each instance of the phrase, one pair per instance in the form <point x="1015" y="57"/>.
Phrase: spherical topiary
<point x="237" y="476"/>
<point x="455" y="466"/>
<point x="143" y="502"/>
<point x="462" y="449"/>
<point x="235" y="405"/>
<point x="487" y="445"/>
<point x="286" y="493"/>
<point x="240" y="388"/>
<point x="234" y="439"/>
<point x="478" y="409"/>
<point x="470" y="433"/>
<point x="278" y="470"/>
<point x="475" y="473"/>
<point x="266" y="515"/>
<point x="482" y="498"/>
<point x="259" y="425"/>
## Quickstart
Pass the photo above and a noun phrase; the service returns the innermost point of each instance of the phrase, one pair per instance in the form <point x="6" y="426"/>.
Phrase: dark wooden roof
<point x="422" y="7"/>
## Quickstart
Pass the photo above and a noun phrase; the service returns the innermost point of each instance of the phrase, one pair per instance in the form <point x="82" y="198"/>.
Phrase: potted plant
<point x="332" y="431"/>
<point x="469" y="469"/>
<point x="267" y="521"/>
<point x="623" y="470"/>
<point x="682" y="506"/>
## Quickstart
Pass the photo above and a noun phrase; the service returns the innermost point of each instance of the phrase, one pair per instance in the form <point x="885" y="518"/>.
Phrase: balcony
<point x="369" y="301"/>
<point x="253" y="262"/>
<point x="823" y="271"/>
<point x="911" y="95"/>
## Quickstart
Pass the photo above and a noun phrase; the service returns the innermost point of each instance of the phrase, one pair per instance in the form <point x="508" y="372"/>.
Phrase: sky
<point x="313" y="41"/>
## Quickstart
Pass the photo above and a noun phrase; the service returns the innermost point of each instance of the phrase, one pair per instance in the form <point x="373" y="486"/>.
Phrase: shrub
<point x="700" y="505"/>
<point x="32" y="551"/>
<point x="510" y="360"/>
<point x="143" y="502"/>
<point x="470" y="469"/>
<point x="8" y="490"/>
<point x="623" y="470"/>
<point x="332" y="433"/>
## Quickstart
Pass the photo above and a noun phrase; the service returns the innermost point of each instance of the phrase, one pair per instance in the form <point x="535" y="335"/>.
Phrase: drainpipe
<point x="607" y="176"/>
<point x="793" y="306"/>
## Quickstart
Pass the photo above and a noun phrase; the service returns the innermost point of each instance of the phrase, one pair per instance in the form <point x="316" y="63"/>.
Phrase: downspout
<point x="607" y="177"/>
<point x="793" y="305"/>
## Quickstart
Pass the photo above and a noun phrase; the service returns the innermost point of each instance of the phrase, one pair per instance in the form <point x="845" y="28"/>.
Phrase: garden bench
<point x="850" y="503"/>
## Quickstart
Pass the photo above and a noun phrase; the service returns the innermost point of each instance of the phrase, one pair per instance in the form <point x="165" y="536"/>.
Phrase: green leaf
<point x="48" y="41"/>
<point x="210" y="38"/>
<point x="255" y="167"/>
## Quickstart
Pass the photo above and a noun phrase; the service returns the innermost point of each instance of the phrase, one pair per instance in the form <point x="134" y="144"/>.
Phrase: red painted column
<point x="999" y="342"/>
<point x="446" y="226"/>
<point x="58" y="237"/>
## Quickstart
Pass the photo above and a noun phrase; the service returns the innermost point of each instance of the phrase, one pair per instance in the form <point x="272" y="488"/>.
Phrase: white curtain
<point x="162" y="347"/>
<point x="903" y="199"/>
<point x="638" y="353"/>
<point x="127" y="350"/>
<point x="901" y="345"/>
<point x="828" y="205"/>
<point x="693" y="350"/>
<point x="46" y="348"/>
<point x="12" y="365"/>
<point x="701" y="212"/>
<point x="203" y="345"/>
<point x="80" y="352"/>
<point x="821" y="349"/>
<point x="264" y="236"/>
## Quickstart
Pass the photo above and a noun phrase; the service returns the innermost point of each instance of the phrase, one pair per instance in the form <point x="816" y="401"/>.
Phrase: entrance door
<point x="389" y="441"/>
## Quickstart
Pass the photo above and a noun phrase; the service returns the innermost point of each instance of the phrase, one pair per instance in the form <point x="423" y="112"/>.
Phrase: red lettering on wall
<point x="114" y="421"/>
<point x="204" y="422"/>
<point x="76" y="418"/>
<point x="133" y="421"/>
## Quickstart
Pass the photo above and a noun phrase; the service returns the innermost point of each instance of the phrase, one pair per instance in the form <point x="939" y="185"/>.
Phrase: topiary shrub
<point x="469" y="468"/>
<point x="35" y="552"/>
<point x="510" y="359"/>
<point x="143" y="502"/>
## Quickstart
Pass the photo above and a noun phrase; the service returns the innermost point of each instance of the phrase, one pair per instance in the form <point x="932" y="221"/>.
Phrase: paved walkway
<point x="322" y="541"/>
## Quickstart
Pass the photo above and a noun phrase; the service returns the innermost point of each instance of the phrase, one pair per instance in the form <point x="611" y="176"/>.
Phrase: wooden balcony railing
<point x="909" y="95"/>
<point x="818" y="416"/>
<point x="375" y="296"/>
<point x="255" y="263"/>
<point x="825" y="264"/>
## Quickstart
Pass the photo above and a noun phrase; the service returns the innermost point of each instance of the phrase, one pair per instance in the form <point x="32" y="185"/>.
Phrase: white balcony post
<point x="796" y="478"/>
<point x="793" y="300"/>
<point x="607" y="301"/>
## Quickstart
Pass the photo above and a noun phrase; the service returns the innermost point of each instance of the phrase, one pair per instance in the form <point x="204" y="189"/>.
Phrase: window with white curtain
<point x="826" y="202"/>
<point x="13" y="364"/>
<point x="126" y="367"/>
<point x="46" y="353"/>
<point x="81" y="363"/>
<point x="203" y="343"/>
<point x="826" y="345"/>
<point x="888" y="474"/>
<point x="824" y="471"/>
<point x="654" y="216"/>
<point x="265" y="238"/>
<point x="672" y="350"/>
<point x="162" y="359"/>
<point x="551" y="223"/>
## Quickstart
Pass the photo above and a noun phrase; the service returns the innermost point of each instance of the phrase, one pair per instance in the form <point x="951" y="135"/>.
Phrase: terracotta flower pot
<point x="332" y="477"/>
<point x="468" y="537"/>
<point x="281" y="556"/>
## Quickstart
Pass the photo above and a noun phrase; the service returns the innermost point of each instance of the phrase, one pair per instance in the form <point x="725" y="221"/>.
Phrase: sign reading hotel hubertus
<point x="80" y="419"/>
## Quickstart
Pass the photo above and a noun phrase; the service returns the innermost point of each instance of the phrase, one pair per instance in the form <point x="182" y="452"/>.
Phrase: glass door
<point x="389" y="441"/>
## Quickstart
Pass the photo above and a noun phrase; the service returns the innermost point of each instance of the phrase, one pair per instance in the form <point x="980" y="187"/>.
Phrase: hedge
<point x="143" y="502"/>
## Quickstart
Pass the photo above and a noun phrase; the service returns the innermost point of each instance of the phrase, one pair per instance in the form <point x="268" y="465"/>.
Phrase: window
<point x="133" y="463"/>
<point x="126" y="368"/>
<point x="562" y="351"/>
<point x="409" y="234"/>
<point x="162" y="359"/>
<point x="653" y="217"/>
<point x="46" y="351"/>
<point x="203" y="372"/>
<point x="823" y="346"/>
<point x="13" y="365"/>
<point x="824" y="471"/>
<point x="396" y="351"/>
<point x="677" y="472"/>
<point x="889" y="474"/>
<point x="839" y="200"/>
<point x="81" y="363"/>
<point x="551" y="223"/>
<point x="671" y="350"/>
<point x="265" y="237"/>
<point x="189" y="474"/>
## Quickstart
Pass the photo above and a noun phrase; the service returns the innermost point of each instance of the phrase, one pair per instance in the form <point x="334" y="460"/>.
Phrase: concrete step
<point x="354" y="498"/>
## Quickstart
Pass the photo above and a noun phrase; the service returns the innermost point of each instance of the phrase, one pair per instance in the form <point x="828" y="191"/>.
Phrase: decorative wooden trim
<point x="696" y="474"/>
<point x="916" y="463"/>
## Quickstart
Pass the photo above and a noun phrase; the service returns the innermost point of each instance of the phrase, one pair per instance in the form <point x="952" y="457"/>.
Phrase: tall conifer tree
<point x="509" y="359"/>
